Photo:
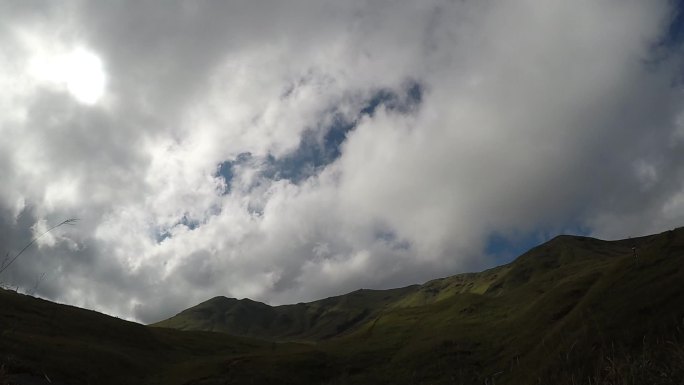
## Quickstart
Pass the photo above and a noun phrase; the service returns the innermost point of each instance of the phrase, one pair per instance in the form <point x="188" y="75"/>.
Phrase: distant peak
<point x="571" y="237"/>
<point x="567" y="238"/>
<point x="219" y="300"/>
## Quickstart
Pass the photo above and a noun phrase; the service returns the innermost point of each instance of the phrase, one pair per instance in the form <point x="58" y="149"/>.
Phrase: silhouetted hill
<point x="574" y="310"/>
<point x="322" y="319"/>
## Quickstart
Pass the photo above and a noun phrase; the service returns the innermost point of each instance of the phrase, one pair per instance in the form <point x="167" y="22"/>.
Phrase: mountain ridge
<point x="574" y="310"/>
<point x="343" y="313"/>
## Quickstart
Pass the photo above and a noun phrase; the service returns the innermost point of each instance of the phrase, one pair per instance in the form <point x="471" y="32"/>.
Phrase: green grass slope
<point x="574" y="310"/>
<point x="317" y="320"/>
<point x="43" y="342"/>
<point x="541" y="267"/>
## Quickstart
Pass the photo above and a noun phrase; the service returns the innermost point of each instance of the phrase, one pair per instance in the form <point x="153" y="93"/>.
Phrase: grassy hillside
<point x="574" y="310"/>
<point x="317" y="320"/>
<point x="41" y="340"/>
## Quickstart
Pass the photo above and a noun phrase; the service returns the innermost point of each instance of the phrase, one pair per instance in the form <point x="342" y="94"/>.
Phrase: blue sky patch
<point x="164" y="233"/>
<point x="675" y="32"/>
<point x="411" y="96"/>
<point x="505" y="248"/>
<point x="225" y="169"/>
<point x="313" y="154"/>
<point x="321" y="146"/>
<point x="673" y="35"/>
<point x="316" y="152"/>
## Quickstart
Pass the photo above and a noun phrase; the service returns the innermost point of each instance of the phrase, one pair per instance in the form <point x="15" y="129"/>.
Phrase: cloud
<point x="288" y="152"/>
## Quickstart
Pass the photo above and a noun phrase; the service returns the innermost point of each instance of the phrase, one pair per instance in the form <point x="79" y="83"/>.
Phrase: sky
<point x="288" y="151"/>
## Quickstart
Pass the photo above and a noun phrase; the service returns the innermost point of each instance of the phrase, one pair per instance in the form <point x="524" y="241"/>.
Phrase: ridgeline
<point x="574" y="310"/>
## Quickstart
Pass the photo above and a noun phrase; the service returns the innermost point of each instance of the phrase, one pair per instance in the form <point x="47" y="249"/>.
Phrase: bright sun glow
<point x="84" y="76"/>
<point x="80" y="72"/>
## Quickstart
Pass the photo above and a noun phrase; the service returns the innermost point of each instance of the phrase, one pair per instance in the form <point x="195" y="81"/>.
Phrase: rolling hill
<point x="574" y="310"/>
<point x="317" y="320"/>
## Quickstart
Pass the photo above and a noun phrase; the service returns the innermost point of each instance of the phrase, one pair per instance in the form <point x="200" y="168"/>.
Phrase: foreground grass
<point x="657" y="361"/>
<point x="7" y="261"/>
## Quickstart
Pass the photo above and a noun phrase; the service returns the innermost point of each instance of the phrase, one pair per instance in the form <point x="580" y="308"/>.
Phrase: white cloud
<point x="532" y="116"/>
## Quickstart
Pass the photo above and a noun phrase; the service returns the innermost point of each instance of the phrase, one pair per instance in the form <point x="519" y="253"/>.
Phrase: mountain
<point x="565" y="260"/>
<point x="44" y="342"/>
<point x="323" y="319"/>
<point x="574" y="310"/>
<point x="317" y="320"/>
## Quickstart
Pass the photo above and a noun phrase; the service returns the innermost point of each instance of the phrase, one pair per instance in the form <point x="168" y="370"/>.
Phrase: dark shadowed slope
<point x="574" y="307"/>
<point x="41" y="340"/>
<point x="540" y="269"/>
<point x="574" y="310"/>
<point x="322" y="319"/>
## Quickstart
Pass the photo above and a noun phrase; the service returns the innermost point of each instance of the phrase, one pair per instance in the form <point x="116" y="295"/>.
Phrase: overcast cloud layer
<point x="289" y="151"/>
